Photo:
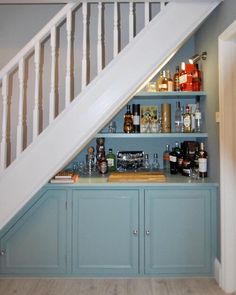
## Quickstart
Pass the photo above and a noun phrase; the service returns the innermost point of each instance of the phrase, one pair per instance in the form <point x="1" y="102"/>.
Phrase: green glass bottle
<point x="111" y="160"/>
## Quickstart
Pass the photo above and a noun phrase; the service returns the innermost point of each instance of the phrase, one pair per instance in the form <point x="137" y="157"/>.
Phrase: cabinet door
<point x="37" y="242"/>
<point x="105" y="232"/>
<point x="177" y="232"/>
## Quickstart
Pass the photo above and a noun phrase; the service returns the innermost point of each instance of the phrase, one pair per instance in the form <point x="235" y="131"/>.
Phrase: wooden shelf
<point x="152" y="135"/>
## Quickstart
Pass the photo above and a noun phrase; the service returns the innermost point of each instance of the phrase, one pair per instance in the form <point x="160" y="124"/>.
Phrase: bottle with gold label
<point x="128" y="121"/>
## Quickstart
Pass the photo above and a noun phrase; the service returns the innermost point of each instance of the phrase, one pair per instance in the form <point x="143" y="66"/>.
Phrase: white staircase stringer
<point x="98" y="103"/>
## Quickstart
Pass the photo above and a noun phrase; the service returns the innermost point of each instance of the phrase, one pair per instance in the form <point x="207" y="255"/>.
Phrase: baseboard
<point x="217" y="271"/>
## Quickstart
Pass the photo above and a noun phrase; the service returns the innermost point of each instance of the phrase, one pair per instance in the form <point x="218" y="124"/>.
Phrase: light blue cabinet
<point x="178" y="232"/>
<point x="36" y="244"/>
<point x="105" y="232"/>
<point x="114" y="230"/>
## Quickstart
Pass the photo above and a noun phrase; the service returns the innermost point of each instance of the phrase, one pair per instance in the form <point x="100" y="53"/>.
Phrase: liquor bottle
<point x="102" y="164"/>
<point x="192" y="121"/>
<point x="173" y="162"/>
<point x="198" y="119"/>
<point x="186" y="79"/>
<point x="166" y="158"/>
<point x="179" y="154"/>
<point x="146" y="163"/>
<point x="187" y="120"/>
<point x="202" y="160"/>
<point x="155" y="163"/>
<point x="178" y="127"/>
<point x="159" y="81"/>
<point x="176" y="80"/>
<point x="182" y="77"/>
<point x="90" y="160"/>
<point x="163" y="86"/>
<point x="170" y="84"/>
<point x="136" y="117"/>
<point x="111" y="161"/>
<point x="182" y="119"/>
<point x="197" y="79"/>
<point x="128" y="121"/>
<point x="186" y="165"/>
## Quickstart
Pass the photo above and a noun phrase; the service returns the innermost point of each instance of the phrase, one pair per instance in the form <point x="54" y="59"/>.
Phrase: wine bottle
<point x="202" y="161"/>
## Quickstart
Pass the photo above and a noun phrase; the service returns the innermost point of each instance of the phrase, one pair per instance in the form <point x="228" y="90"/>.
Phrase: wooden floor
<point x="35" y="286"/>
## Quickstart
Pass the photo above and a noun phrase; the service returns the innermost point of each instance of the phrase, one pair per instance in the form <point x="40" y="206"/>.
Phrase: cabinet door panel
<point x="103" y="225"/>
<point x="179" y="225"/>
<point x="37" y="242"/>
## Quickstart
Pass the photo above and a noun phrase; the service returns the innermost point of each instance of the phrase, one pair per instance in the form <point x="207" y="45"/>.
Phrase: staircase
<point x="63" y="123"/>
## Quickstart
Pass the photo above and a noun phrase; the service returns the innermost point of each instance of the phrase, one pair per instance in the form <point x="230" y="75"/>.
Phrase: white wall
<point x="207" y="40"/>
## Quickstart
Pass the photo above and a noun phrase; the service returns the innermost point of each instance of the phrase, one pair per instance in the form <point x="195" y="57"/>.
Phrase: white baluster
<point x="162" y="5"/>
<point x="84" y="58"/>
<point x="52" y="99"/>
<point x="147" y="12"/>
<point x="131" y="21"/>
<point x="20" y="133"/>
<point x="68" y="58"/>
<point x="4" y="142"/>
<point x="99" y="45"/>
<point x="115" y="32"/>
<point x="37" y="65"/>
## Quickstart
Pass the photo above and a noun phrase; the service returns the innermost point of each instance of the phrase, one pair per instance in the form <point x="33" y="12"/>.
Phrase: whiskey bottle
<point x="136" y="117"/>
<point x="176" y="80"/>
<point x="202" y="161"/>
<point x="170" y="84"/>
<point x="102" y="164"/>
<point x="128" y="121"/>
<point x="111" y="161"/>
<point x="163" y="86"/>
<point x="182" y="77"/>
<point x="197" y="79"/>
<point x="159" y="81"/>
<point x="187" y="120"/>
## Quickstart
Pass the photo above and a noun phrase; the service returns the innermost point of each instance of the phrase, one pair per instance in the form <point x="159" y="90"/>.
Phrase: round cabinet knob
<point x="135" y="232"/>
<point x="147" y="232"/>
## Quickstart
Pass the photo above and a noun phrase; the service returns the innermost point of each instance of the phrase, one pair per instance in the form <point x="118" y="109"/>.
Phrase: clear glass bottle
<point x="166" y="158"/>
<point x="111" y="161"/>
<point x="192" y="120"/>
<point x="198" y="119"/>
<point x="90" y="160"/>
<point x="155" y="163"/>
<point x="128" y="121"/>
<point x="146" y="163"/>
<point x="178" y="121"/>
<point x="187" y="120"/>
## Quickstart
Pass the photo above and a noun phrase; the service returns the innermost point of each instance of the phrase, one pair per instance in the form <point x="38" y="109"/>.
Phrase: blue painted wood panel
<point x="179" y="222"/>
<point x="36" y="244"/>
<point x="104" y="222"/>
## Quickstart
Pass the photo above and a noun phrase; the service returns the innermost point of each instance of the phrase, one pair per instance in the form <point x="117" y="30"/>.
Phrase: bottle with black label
<point x="173" y="162"/>
<point x="136" y="117"/>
